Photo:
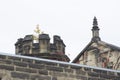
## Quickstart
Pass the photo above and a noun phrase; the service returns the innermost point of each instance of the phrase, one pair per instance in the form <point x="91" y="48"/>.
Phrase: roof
<point x="79" y="55"/>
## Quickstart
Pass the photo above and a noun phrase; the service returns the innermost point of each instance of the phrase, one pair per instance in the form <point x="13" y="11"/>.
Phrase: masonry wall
<point x="13" y="67"/>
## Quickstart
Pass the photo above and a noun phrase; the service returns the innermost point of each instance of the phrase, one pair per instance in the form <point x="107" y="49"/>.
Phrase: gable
<point x="99" y="54"/>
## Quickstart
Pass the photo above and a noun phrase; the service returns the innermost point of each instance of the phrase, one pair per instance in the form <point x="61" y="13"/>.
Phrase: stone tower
<point x="42" y="48"/>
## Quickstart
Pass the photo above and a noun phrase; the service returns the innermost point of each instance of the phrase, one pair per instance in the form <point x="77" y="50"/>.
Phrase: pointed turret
<point x="95" y="23"/>
<point x="95" y="30"/>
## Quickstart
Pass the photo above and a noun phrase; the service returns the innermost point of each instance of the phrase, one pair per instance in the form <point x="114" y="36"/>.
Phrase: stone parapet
<point x="16" y="67"/>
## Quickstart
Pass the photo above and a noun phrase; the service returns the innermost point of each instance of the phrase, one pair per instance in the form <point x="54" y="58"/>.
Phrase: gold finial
<point x="37" y="30"/>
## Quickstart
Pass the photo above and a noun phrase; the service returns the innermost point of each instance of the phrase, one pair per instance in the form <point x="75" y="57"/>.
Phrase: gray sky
<point x="71" y="19"/>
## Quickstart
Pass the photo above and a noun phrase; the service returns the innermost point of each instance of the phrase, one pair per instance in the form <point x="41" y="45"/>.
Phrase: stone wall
<point x="15" y="67"/>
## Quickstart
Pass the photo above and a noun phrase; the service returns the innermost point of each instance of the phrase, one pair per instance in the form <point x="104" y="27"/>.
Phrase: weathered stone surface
<point x="20" y="75"/>
<point x="54" y="68"/>
<point x="81" y="77"/>
<point x="64" y="65"/>
<point x="91" y="74"/>
<point x="40" y="77"/>
<point x="58" y="74"/>
<point x="4" y="61"/>
<point x="3" y="57"/>
<point x="87" y="69"/>
<point x="45" y="62"/>
<point x="22" y="64"/>
<point x="75" y="67"/>
<point x="36" y="66"/>
<point x="54" y="78"/>
<point x="7" y="67"/>
<point x="27" y="69"/>
<point x="14" y="58"/>
<point x="5" y="75"/>
<point x="97" y="71"/>
<point x="68" y="70"/>
<point x="43" y="72"/>
<point x="80" y="72"/>
<point x="100" y="54"/>
<point x="27" y="60"/>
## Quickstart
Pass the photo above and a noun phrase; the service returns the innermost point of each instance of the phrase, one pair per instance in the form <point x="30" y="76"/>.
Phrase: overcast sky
<point x="70" y="19"/>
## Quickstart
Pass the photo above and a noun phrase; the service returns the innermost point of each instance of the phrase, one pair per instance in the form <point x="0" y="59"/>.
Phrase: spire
<point x="95" y="30"/>
<point x="95" y="23"/>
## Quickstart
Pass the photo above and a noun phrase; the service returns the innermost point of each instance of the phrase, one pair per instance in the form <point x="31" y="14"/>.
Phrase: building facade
<point x="99" y="53"/>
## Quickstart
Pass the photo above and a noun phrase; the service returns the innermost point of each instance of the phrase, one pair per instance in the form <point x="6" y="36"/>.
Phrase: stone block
<point x="46" y="63"/>
<point x="64" y="65"/>
<point x="69" y="70"/>
<point x="75" y="67"/>
<point x="92" y="74"/>
<point x="7" y="67"/>
<point x="20" y="75"/>
<point x="22" y="64"/>
<point x="80" y="72"/>
<point x="14" y="58"/>
<point x="36" y="66"/>
<point x="96" y="70"/>
<point x="28" y="70"/>
<point x="4" y="61"/>
<point x="57" y="74"/>
<point x="71" y="75"/>
<point x="93" y="78"/>
<point x="105" y="76"/>
<point x="40" y="77"/>
<point x="27" y="60"/>
<point x="43" y="72"/>
<point x="87" y="69"/>
<point x="81" y="77"/>
<point x="3" y="56"/>
<point x="54" y="78"/>
<point x="53" y="68"/>
<point x="103" y="72"/>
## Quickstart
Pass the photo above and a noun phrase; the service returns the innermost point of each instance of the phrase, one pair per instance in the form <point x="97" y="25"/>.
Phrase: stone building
<point x="28" y="62"/>
<point x="99" y="53"/>
<point x="39" y="46"/>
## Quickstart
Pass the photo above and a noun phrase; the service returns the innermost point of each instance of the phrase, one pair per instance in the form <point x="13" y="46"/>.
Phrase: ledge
<point x="58" y="62"/>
